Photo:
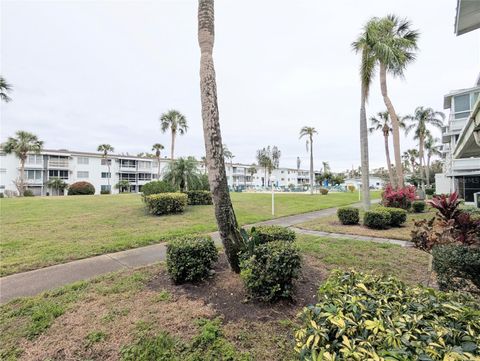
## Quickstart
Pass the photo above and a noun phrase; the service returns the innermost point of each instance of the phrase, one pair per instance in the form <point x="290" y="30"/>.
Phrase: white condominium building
<point x="72" y="166"/>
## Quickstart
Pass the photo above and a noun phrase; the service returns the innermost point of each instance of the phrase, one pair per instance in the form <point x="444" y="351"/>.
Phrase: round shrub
<point x="398" y="216"/>
<point x="264" y="234"/>
<point x="155" y="187"/>
<point x="324" y="191"/>
<point x="377" y="219"/>
<point x="28" y="193"/>
<point x="418" y="206"/>
<point x="457" y="267"/>
<point x="199" y="198"/>
<point x="348" y="215"/>
<point x="165" y="203"/>
<point x="81" y="188"/>
<point x="190" y="259"/>
<point x="268" y="272"/>
<point x="381" y="318"/>
<point x="430" y="191"/>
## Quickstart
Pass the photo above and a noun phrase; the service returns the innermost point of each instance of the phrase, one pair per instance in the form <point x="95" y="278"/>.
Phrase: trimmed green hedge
<point x="369" y="317"/>
<point x="377" y="219"/>
<point x="268" y="272"/>
<point x="418" y="206"/>
<point x="81" y="188"/>
<point x="190" y="259"/>
<point x="156" y="187"/>
<point x="264" y="234"/>
<point x="398" y="216"/>
<point x="165" y="203"/>
<point x="324" y="191"/>
<point x="348" y="215"/>
<point x="199" y="198"/>
<point x="457" y="267"/>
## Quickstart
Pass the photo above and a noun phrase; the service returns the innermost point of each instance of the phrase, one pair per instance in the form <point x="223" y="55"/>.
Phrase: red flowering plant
<point x="398" y="198"/>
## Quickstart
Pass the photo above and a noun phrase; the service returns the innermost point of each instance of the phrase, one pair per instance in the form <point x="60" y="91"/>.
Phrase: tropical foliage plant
<point x="398" y="198"/>
<point x="183" y="173"/>
<point x="369" y="317"/>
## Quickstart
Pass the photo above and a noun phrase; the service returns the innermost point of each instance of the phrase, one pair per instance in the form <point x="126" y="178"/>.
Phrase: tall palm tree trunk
<point x="421" y="161"/>
<point x="172" y="147"/>
<point x="109" y="174"/>
<point x="364" y="150"/>
<point x="311" y="164"/>
<point x="428" y="171"/>
<point x="21" y="191"/>
<point x="395" y="125"/>
<point x="159" y="168"/>
<point x="389" y="162"/>
<point x="227" y="222"/>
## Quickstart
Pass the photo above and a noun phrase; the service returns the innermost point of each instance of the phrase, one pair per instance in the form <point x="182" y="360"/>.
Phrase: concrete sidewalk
<point x="33" y="282"/>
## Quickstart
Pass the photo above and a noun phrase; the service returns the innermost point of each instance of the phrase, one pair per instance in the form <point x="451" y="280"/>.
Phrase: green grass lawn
<point x="98" y="318"/>
<point x="42" y="231"/>
<point x="332" y="224"/>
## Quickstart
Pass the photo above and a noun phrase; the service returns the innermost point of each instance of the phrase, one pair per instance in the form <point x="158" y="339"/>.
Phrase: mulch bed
<point x="224" y="292"/>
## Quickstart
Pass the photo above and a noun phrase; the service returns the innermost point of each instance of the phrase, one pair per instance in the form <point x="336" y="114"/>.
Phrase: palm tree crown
<point x="183" y="173"/>
<point x="176" y="122"/>
<point x="157" y="147"/>
<point x="23" y="143"/>
<point x="421" y="119"/>
<point x="105" y="149"/>
<point x="4" y="89"/>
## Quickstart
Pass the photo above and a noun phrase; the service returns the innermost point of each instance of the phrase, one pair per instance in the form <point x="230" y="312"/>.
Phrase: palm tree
<point x="422" y="118"/>
<point x="105" y="149"/>
<point x="183" y="173"/>
<point x="393" y="43"/>
<point x="264" y="160"/>
<point x="382" y="123"/>
<point x="232" y="239"/>
<point x="157" y="147"/>
<point x="205" y="164"/>
<point x="252" y="170"/>
<point x="177" y="123"/>
<point x="227" y="154"/>
<point x="123" y="186"/>
<point x="411" y="156"/>
<point x="4" y="89"/>
<point x="309" y="132"/>
<point x="432" y="148"/>
<point x="20" y="145"/>
<point x="368" y="66"/>
<point x="57" y="183"/>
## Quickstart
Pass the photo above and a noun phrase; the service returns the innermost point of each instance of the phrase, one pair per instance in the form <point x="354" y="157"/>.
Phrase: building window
<point x="104" y="161"/>
<point x="462" y="106"/>
<point x="126" y="163"/>
<point x="82" y="160"/>
<point x="82" y="174"/>
<point x="144" y="176"/>
<point x="35" y="159"/>
<point x="62" y="174"/>
<point x="144" y="164"/>
<point x="106" y="175"/>
<point x="32" y="174"/>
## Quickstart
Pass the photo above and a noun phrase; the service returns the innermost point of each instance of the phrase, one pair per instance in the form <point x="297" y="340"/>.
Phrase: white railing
<point x="62" y="163"/>
<point x="466" y="164"/>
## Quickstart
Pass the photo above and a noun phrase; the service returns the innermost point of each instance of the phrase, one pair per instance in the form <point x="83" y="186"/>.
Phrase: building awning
<point x="468" y="16"/>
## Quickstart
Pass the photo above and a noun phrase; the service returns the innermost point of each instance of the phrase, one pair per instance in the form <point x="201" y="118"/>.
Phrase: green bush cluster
<point x="28" y="193"/>
<point x="156" y="187"/>
<point x="199" y="198"/>
<point x="269" y="270"/>
<point x="377" y="219"/>
<point x="430" y="191"/>
<point x="81" y="188"/>
<point x="418" y="206"/>
<point x="165" y="203"/>
<point x="324" y="191"/>
<point x="367" y="317"/>
<point x="398" y="216"/>
<point x="348" y="215"/>
<point x="457" y="267"/>
<point x="265" y="234"/>
<point x="190" y="259"/>
<point x="105" y="191"/>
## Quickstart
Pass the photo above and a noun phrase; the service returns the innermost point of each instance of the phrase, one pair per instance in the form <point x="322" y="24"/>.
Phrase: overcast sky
<point x="92" y="72"/>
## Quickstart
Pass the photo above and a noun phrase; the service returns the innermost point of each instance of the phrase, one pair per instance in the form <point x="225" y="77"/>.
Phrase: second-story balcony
<point x="466" y="164"/>
<point x="58" y="163"/>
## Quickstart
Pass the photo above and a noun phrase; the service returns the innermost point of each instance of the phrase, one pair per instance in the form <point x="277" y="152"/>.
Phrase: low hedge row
<point x="265" y="234"/>
<point x="199" y="198"/>
<point x="418" y="206"/>
<point x="156" y="187"/>
<point x="377" y="219"/>
<point x="368" y="317"/>
<point x="348" y="215"/>
<point x="165" y="203"/>
<point x="190" y="259"/>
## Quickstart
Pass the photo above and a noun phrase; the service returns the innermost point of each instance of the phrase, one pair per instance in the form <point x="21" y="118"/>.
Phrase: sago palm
<point x="157" y="147"/>
<point x="421" y="120"/>
<point x="105" y="149"/>
<point x="309" y="132"/>
<point x="230" y="235"/>
<point x="393" y="44"/>
<point x="20" y="145"/>
<point x="176" y="122"/>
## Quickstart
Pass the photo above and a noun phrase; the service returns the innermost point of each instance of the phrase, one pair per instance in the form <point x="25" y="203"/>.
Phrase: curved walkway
<point x="33" y="282"/>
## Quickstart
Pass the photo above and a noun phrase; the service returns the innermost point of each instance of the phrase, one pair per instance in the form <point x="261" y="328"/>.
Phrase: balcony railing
<point x="466" y="164"/>
<point x="54" y="163"/>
